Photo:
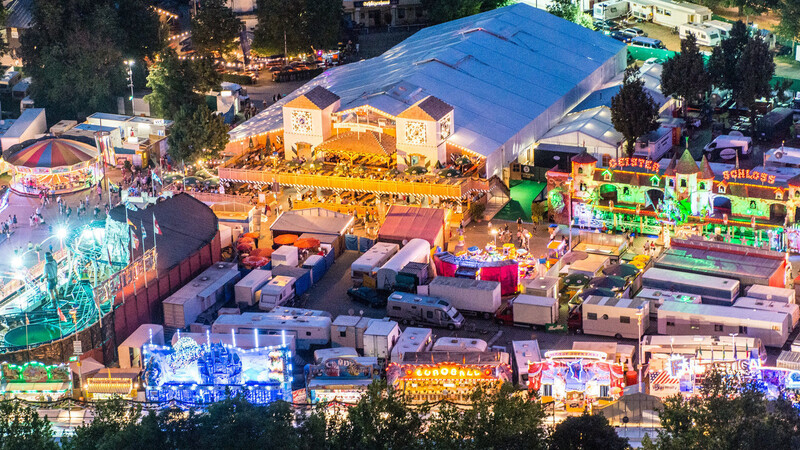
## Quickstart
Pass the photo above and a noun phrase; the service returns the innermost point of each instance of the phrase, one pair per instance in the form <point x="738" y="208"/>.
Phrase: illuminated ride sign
<point x="576" y="354"/>
<point x="747" y="174"/>
<point x="645" y="164"/>
<point x="450" y="371"/>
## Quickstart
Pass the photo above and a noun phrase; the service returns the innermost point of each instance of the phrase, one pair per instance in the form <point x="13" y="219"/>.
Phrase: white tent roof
<point x="500" y="70"/>
<point x="590" y="128"/>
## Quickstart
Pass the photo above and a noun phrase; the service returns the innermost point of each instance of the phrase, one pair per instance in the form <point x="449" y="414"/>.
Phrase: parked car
<point x="620" y="36"/>
<point x="634" y="32"/>
<point x="366" y="296"/>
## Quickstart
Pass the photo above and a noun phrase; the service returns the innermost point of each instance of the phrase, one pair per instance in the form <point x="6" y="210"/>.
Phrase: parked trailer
<point x="710" y="347"/>
<point x="670" y="13"/>
<point x="308" y="331"/>
<point x="713" y="290"/>
<point x="130" y="351"/>
<point x="208" y="290"/>
<point x="324" y="354"/>
<point x="774" y="294"/>
<point x="412" y="339"/>
<point x="417" y="309"/>
<point x="614" y="316"/>
<point x="277" y="292"/>
<point x="302" y="277"/>
<point x="348" y="331"/>
<point x="287" y="311"/>
<point x="371" y="261"/>
<point x="525" y="352"/>
<point x="457" y="344"/>
<point x="477" y="297"/>
<point x="612" y="9"/>
<point x="380" y="338"/>
<point x="416" y="250"/>
<point x="529" y="311"/>
<point x="657" y="297"/>
<point x="247" y="290"/>
<point x="767" y="305"/>
<point x="705" y="34"/>
<point x="723" y="27"/>
<point x="685" y="318"/>
<point x="541" y="286"/>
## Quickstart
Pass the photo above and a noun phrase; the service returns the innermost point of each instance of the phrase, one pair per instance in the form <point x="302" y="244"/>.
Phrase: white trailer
<point x="412" y="339"/>
<point x="478" y="297"/>
<point x="724" y="28"/>
<point x="130" y="351"/>
<point x="685" y="318"/>
<point x="726" y="146"/>
<point x="416" y="250"/>
<point x="709" y="347"/>
<point x="298" y="312"/>
<point x="611" y="9"/>
<point x="705" y="34"/>
<point x="286" y="255"/>
<point x="524" y="352"/>
<point x="614" y="316"/>
<point x="246" y="291"/>
<point x="348" y="331"/>
<point x="669" y="13"/>
<point x="529" y="311"/>
<point x="766" y="305"/>
<point x="657" y="297"/>
<point x="338" y="352"/>
<point x="308" y="330"/>
<point x="214" y="285"/>
<point x="713" y="290"/>
<point x="371" y="260"/>
<point x="243" y="341"/>
<point x="456" y="344"/>
<point x="770" y="293"/>
<point x="380" y="338"/>
<point x="541" y="286"/>
<point x="591" y="266"/>
<point x="277" y="292"/>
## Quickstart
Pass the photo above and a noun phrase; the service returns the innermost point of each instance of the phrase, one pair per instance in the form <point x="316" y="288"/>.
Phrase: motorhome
<point x="613" y="316"/>
<point x="524" y="352"/>
<point x="371" y="260"/>
<point x="770" y="293"/>
<point x="767" y="305"/>
<point x="412" y="339"/>
<point x="308" y="331"/>
<point x="417" y="309"/>
<point x="611" y="9"/>
<point x="713" y="290"/>
<point x="657" y="297"/>
<point x="723" y="27"/>
<point x="676" y="318"/>
<point x="277" y="292"/>
<point x="457" y="344"/>
<point x="705" y="34"/>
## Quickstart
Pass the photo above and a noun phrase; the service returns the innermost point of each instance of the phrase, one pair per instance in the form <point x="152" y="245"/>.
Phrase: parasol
<point x="596" y="291"/>
<point x="211" y="182"/>
<point x="253" y="235"/>
<point x="245" y="247"/>
<point x="245" y="239"/>
<point x="608" y="282"/>
<point x="306" y="243"/>
<point x="621" y="270"/>
<point x="265" y="252"/>
<point x="255" y="261"/>
<point x="576" y="279"/>
<point x="285" y="239"/>
<point x="191" y="181"/>
<point x="172" y="178"/>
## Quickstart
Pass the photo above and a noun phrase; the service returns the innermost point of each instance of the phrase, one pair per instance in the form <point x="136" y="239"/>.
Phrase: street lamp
<point x="129" y="63"/>
<point x="639" y="313"/>
<point x="494" y="234"/>
<point x="61" y="234"/>
<point x="569" y="210"/>
<point x="733" y="340"/>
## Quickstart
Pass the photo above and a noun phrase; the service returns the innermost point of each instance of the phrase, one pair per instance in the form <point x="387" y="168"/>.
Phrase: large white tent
<point x="510" y="75"/>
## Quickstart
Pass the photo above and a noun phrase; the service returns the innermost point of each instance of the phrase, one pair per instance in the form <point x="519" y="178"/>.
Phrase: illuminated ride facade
<point x="684" y="198"/>
<point x="340" y="379"/>
<point x="60" y="165"/>
<point x="576" y="378"/>
<point x="195" y="374"/>
<point x="450" y="376"/>
<point x="35" y="381"/>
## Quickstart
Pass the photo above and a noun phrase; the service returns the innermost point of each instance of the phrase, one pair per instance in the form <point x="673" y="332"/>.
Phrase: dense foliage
<point x="685" y="75"/>
<point x="298" y="26"/>
<point x="634" y="113"/>
<point x="215" y="28"/>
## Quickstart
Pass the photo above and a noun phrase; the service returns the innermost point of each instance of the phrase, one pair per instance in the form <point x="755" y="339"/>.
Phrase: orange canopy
<point x="265" y="252"/>
<point x="255" y="261"/>
<point x="253" y="235"/>
<point x="245" y="247"/>
<point x="306" y="243"/>
<point x="286" y="239"/>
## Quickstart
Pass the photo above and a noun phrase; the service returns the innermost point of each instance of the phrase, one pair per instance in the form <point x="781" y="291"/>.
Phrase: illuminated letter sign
<point x="646" y="164"/>
<point x="747" y="174"/>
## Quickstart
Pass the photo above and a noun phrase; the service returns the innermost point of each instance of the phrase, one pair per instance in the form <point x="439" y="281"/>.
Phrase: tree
<point x="380" y="419"/>
<point x="215" y="28"/>
<point x="722" y="65"/>
<point x="177" y="82"/>
<point x="586" y="432"/>
<point x="756" y="68"/>
<point x="3" y="18"/>
<point x="440" y="11"/>
<point x="297" y="26"/>
<point x="111" y="417"/>
<point x="634" y="113"/>
<point x="570" y="10"/>
<point x="76" y="50"/>
<point x="197" y="133"/>
<point x="684" y="75"/>
<point x="789" y="26"/>
<point x="21" y="428"/>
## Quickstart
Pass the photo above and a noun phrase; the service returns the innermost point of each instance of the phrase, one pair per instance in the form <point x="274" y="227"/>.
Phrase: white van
<point x="705" y="34"/>
<point x="726" y="146"/>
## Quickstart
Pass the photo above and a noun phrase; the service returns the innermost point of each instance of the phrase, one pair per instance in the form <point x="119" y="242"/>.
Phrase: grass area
<point x="522" y="194"/>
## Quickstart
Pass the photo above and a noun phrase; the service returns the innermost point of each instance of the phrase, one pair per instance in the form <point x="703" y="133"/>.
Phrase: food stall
<point x="453" y="376"/>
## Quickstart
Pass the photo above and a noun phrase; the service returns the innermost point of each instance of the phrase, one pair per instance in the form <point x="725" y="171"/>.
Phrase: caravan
<point x="366" y="264"/>
<point x="308" y="331"/>
<point x="611" y="9"/>
<point x="705" y="34"/>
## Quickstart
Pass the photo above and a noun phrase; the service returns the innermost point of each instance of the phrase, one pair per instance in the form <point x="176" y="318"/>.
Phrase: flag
<point x="27" y="321"/>
<point x="130" y="224"/>
<point x="156" y="228"/>
<point x="131" y="206"/>
<point x="61" y="315"/>
<point x="144" y="232"/>
<point x="135" y="241"/>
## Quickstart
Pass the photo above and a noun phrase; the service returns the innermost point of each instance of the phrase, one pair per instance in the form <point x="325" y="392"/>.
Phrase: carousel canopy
<point x="52" y="152"/>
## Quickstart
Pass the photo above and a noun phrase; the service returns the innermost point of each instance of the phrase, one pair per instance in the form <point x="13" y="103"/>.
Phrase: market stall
<point x="35" y="381"/>
<point x="60" y="165"/>
<point x="340" y="379"/>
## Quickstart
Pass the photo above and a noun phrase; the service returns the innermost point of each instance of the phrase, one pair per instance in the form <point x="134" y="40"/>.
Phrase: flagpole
<point x="156" y="232"/>
<point x="27" y="341"/>
<point x="144" y="262"/>
<point x="130" y="247"/>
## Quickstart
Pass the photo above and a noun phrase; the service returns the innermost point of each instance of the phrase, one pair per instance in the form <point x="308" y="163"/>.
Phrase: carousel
<point x="61" y="166"/>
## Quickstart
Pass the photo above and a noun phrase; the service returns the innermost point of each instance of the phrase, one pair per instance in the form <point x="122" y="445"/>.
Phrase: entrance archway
<point x="777" y="212"/>
<point x="608" y="192"/>
<point x="655" y="196"/>
<point x="722" y="205"/>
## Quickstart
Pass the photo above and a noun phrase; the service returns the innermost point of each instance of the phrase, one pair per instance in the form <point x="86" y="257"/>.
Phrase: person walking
<point x="519" y="223"/>
<point x="14" y="221"/>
